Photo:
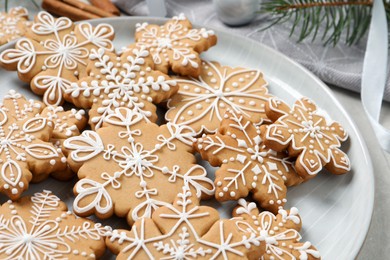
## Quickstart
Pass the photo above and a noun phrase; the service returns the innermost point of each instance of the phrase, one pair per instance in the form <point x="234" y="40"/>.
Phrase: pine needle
<point x="342" y="18"/>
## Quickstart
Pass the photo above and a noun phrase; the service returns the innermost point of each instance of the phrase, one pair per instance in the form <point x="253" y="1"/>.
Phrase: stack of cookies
<point x="129" y="166"/>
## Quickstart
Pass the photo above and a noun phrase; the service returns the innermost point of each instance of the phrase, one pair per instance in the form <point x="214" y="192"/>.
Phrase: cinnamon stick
<point x="106" y="5"/>
<point x="62" y="9"/>
<point x="89" y="8"/>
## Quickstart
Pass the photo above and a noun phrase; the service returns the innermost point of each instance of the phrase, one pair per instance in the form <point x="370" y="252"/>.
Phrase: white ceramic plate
<point x="336" y="210"/>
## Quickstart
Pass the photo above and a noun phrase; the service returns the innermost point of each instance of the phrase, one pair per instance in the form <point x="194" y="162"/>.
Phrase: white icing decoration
<point x="188" y="244"/>
<point x="43" y="237"/>
<point x="91" y="146"/>
<point x="215" y="98"/>
<point x="172" y="40"/>
<point x="135" y="162"/>
<point x="11" y="22"/>
<point x="307" y="124"/>
<point x="62" y="52"/>
<point x="276" y="239"/>
<point x="254" y="165"/>
<point x="120" y="86"/>
<point x="41" y="151"/>
<point x="20" y="141"/>
<point x="305" y="251"/>
<point x="64" y="121"/>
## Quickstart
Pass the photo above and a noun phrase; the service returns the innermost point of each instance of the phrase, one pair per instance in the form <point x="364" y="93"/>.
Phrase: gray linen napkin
<point x="340" y="66"/>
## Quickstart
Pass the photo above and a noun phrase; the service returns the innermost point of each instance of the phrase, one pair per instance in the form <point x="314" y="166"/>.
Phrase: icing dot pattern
<point x="134" y="84"/>
<point x="24" y="147"/>
<point x="308" y="136"/>
<point x="246" y="165"/>
<point x="136" y="159"/>
<point x="185" y="230"/>
<point x="66" y="123"/>
<point x="39" y="227"/>
<point x="55" y="53"/>
<point x="280" y="231"/>
<point x="175" y="45"/>
<point x="218" y="89"/>
<point x="13" y="24"/>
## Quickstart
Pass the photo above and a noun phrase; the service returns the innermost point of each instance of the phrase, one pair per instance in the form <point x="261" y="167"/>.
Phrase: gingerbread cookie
<point x="246" y="164"/>
<point x="185" y="230"/>
<point x="40" y="227"/>
<point x="13" y="24"/>
<point x="19" y="108"/>
<point x="175" y="45"/>
<point x="126" y="81"/>
<point x="54" y="54"/>
<point x="131" y="167"/>
<point x="280" y="232"/>
<point x="25" y="151"/>
<point x="201" y="102"/>
<point x="66" y="123"/>
<point x="308" y="135"/>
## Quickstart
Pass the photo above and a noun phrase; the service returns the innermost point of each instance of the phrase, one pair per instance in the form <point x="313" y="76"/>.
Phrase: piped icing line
<point x="121" y="81"/>
<point x="246" y="164"/>
<point x="175" y="44"/>
<point x="132" y="160"/>
<point x="13" y="24"/>
<point x="307" y="135"/>
<point x="40" y="227"/>
<point x="63" y="50"/>
<point x="24" y="147"/>
<point x="202" y="102"/>
<point x="280" y="231"/>
<point x="184" y="230"/>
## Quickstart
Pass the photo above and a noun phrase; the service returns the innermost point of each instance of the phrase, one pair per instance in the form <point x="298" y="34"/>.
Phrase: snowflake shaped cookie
<point x="246" y="164"/>
<point x="125" y="81"/>
<point x="25" y="151"/>
<point x="280" y="232"/>
<point x="13" y="24"/>
<point x="40" y="227"/>
<point x="306" y="134"/>
<point x="131" y="167"/>
<point x="55" y="54"/>
<point x="175" y="45"/>
<point x="185" y="230"/>
<point x="201" y="102"/>
<point x="66" y="123"/>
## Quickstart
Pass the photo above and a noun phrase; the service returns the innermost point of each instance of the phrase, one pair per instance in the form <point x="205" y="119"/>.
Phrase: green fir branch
<point x="338" y="17"/>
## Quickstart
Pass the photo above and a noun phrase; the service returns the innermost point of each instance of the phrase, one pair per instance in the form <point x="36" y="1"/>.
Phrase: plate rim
<point x="359" y="241"/>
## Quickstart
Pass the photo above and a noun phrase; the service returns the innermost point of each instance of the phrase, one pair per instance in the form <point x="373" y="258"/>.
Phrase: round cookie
<point x="185" y="230"/>
<point x="131" y="167"/>
<point x="128" y="80"/>
<point x="54" y="54"/>
<point x="246" y="164"/>
<point x="40" y="227"/>
<point x="13" y="24"/>
<point x="280" y="232"/>
<point x="201" y="102"/>
<point x="307" y="135"/>
<point x="175" y="45"/>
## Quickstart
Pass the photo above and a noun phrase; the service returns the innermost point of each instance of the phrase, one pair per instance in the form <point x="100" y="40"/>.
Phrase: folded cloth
<point x="132" y="7"/>
<point x="340" y="66"/>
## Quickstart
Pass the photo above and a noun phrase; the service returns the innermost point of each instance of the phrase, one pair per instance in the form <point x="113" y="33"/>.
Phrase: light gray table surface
<point x="377" y="243"/>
